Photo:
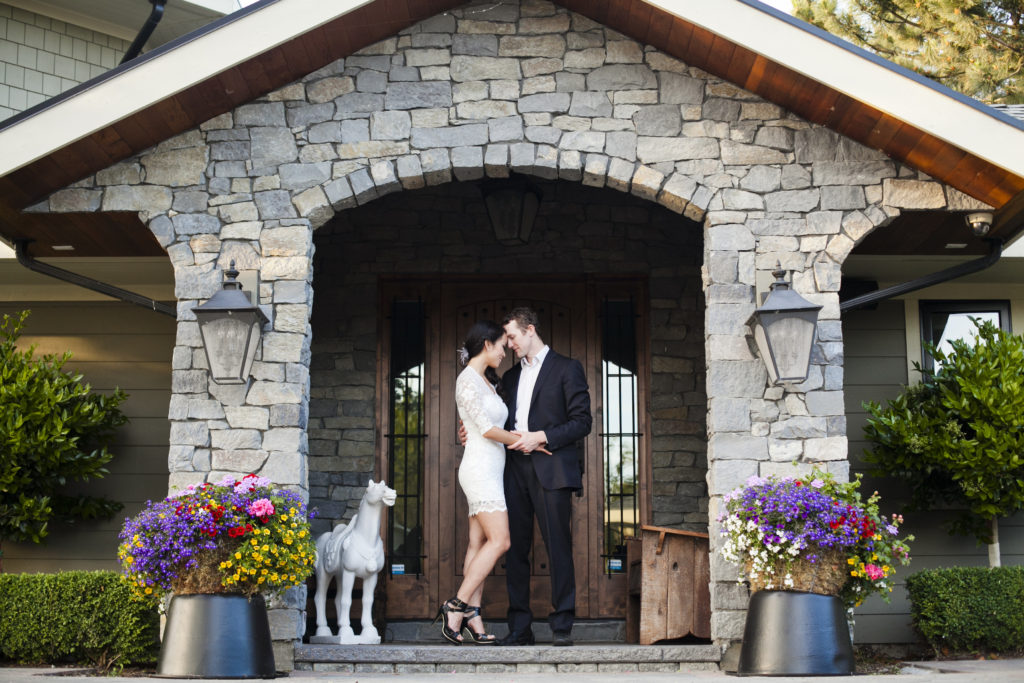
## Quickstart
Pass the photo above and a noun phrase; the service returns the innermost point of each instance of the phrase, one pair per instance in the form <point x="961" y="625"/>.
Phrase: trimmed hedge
<point x="75" y="617"/>
<point x="969" y="609"/>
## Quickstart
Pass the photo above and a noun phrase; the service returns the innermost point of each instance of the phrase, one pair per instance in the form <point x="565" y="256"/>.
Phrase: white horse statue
<point x="352" y="550"/>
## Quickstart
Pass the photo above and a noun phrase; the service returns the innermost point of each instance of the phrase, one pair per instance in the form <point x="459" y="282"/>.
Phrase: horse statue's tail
<point x="333" y="545"/>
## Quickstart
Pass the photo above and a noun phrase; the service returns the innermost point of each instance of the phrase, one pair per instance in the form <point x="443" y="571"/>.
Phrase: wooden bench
<point x="668" y="572"/>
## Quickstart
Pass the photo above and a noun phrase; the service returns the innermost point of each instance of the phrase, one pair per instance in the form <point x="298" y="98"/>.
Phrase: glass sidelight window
<point x="406" y="439"/>
<point x="620" y="429"/>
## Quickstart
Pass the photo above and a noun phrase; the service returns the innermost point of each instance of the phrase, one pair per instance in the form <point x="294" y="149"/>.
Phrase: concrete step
<point x="397" y="657"/>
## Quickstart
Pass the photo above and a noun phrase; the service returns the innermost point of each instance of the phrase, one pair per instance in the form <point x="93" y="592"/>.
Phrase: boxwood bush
<point x="969" y="609"/>
<point x="84" y="618"/>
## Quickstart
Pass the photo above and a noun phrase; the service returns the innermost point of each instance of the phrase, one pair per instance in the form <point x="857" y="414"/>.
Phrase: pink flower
<point x="260" y="508"/>
<point x="251" y="482"/>
<point x="874" y="572"/>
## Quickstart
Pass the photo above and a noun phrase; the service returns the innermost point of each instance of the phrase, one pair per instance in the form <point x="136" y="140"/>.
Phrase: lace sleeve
<point x="470" y="396"/>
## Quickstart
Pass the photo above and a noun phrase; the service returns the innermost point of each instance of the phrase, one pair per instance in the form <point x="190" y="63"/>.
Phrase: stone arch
<point x="676" y="192"/>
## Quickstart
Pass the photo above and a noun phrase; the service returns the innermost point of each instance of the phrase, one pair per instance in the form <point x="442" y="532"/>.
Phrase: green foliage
<point x="53" y="431"/>
<point x="969" y="609"/>
<point x="75" y="617"/>
<point x="958" y="437"/>
<point x="973" y="46"/>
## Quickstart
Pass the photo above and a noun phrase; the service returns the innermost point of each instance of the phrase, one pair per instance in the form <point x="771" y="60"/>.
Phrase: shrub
<point x="53" y="431"/>
<point x="75" y="617"/>
<point x="969" y="609"/>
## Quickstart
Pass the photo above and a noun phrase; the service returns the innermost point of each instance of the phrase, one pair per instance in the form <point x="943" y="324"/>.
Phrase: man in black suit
<point x="549" y="405"/>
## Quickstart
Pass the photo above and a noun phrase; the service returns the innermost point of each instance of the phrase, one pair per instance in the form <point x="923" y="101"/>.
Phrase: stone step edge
<point x="506" y="668"/>
<point x="392" y="653"/>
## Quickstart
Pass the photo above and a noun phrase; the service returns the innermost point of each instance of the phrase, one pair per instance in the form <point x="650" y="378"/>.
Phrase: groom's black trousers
<point x="525" y="497"/>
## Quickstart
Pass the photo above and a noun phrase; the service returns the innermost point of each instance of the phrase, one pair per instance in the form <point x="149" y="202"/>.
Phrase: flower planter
<point x="216" y="636"/>
<point x="790" y="633"/>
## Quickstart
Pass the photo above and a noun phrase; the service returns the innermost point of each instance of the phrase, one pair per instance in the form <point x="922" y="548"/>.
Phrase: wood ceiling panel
<point x="639" y="21"/>
<point x="882" y="133"/>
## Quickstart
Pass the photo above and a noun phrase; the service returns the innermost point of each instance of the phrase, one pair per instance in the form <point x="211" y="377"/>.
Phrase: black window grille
<point x="620" y="430"/>
<point x="406" y="439"/>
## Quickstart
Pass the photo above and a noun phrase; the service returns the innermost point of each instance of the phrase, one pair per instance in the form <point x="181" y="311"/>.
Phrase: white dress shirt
<point x="524" y="395"/>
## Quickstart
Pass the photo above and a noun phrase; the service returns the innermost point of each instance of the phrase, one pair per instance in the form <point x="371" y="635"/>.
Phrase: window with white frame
<point x="943" y="322"/>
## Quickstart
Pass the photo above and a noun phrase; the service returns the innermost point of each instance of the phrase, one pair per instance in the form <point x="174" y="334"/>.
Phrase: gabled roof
<point x="967" y="145"/>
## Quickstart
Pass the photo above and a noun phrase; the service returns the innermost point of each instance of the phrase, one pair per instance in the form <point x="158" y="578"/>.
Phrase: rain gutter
<point x="21" y="252"/>
<point x="959" y="270"/>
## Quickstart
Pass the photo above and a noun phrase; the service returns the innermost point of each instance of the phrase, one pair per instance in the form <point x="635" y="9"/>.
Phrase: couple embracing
<point x="523" y="435"/>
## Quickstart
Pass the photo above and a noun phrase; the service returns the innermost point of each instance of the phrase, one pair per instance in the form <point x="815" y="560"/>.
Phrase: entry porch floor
<point x="417" y="647"/>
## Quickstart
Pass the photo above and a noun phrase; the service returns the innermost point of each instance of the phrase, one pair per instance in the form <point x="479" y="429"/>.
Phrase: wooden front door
<point x="568" y="312"/>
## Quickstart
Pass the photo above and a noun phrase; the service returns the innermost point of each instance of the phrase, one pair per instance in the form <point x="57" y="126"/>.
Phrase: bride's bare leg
<point x="493" y="527"/>
<point x="476" y="542"/>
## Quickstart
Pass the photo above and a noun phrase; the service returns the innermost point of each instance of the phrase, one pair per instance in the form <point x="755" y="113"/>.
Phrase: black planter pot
<point x="216" y="636"/>
<point x="795" y="634"/>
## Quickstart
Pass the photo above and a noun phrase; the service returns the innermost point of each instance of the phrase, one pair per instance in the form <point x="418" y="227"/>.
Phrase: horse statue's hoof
<point x="369" y="636"/>
<point x="324" y="631"/>
<point x="346" y="636"/>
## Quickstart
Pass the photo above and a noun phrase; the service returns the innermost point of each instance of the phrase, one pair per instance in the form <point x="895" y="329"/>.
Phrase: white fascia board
<point x="160" y="77"/>
<point x="919" y="104"/>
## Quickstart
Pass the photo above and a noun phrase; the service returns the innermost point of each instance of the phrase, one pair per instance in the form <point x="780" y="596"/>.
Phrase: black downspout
<point x="959" y="270"/>
<point x="21" y="251"/>
<point x="155" y="15"/>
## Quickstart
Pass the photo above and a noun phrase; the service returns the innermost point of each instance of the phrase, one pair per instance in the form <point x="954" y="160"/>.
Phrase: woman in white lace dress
<point x="483" y="412"/>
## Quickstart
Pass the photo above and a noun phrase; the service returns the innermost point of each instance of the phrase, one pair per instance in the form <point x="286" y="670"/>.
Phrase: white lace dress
<point x="483" y="462"/>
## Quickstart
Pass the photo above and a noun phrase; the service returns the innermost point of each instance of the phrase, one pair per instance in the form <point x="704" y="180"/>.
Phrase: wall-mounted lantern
<point x="512" y="207"/>
<point x="230" y="325"/>
<point x="784" y="328"/>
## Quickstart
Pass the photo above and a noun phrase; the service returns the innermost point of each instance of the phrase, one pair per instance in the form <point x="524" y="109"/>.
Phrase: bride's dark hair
<point x="483" y="330"/>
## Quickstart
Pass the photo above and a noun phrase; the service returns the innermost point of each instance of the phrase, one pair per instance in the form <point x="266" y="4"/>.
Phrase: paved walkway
<point x="966" y="671"/>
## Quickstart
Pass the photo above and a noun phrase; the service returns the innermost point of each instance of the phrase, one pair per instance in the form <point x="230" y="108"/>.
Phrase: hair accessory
<point x="463" y="355"/>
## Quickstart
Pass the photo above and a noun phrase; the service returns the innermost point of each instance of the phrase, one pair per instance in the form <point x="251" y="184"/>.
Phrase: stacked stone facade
<point x="479" y="92"/>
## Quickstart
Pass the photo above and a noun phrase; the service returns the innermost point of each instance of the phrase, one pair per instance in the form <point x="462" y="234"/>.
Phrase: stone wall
<point x="484" y="90"/>
<point x="446" y="230"/>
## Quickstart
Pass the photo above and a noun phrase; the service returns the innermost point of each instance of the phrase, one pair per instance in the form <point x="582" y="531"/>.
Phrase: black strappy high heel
<point x="452" y="604"/>
<point x="472" y="612"/>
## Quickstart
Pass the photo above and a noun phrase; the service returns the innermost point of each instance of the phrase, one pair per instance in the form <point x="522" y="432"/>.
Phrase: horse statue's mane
<point x="349" y="551"/>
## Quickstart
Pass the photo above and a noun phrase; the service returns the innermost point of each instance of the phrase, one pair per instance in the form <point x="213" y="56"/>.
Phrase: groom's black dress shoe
<point x="562" y="639"/>
<point x="517" y="638"/>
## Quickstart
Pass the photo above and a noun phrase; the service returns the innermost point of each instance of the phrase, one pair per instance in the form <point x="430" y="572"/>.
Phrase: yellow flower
<point x="851" y="561"/>
<point x="238" y="556"/>
<point x="129" y="559"/>
<point x="874" y="556"/>
<point x="265" y="547"/>
<point x="149" y="590"/>
<point x="853" y="573"/>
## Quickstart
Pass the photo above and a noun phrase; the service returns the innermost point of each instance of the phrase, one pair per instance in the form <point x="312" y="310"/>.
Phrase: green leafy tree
<point x="53" y="431"/>
<point x="958" y="437"/>
<point x="975" y="47"/>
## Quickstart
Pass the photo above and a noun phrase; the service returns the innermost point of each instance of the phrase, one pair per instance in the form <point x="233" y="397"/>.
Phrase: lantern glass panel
<point x="791" y="336"/>
<point x="226" y="338"/>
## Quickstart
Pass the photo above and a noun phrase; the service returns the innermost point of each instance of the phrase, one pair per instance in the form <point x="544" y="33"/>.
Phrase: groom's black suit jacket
<point x="561" y="408"/>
